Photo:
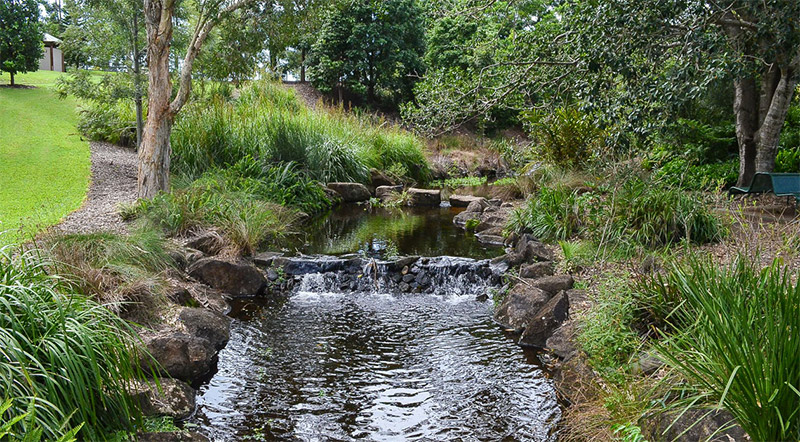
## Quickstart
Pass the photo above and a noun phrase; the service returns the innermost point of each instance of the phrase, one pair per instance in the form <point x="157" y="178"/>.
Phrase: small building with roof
<point x="53" y="58"/>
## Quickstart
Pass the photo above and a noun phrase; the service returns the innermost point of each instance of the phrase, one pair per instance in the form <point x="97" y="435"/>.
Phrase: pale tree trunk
<point x="154" y="153"/>
<point x="760" y="115"/>
<point x="769" y="133"/>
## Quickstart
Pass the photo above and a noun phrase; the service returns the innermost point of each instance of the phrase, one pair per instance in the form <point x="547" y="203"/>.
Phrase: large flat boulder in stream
<point x="519" y="306"/>
<point x="232" y="278"/>
<point x="351" y="192"/>
<point x="463" y="200"/>
<point x="384" y="193"/>
<point x="424" y="197"/>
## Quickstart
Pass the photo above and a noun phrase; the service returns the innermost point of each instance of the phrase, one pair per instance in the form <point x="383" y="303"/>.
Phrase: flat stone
<point x="265" y="259"/>
<point x="493" y="240"/>
<point x="562" y="341"/>
<point x="553" y="284"/>
<point x="477" y="206"/>
<point x="461" y="219"/>
<point x="351" y="192"/>
<point x="209" y="243"/>
<point x="233" y="278"/>
<point x="181" y="356"/>
<point x="424" y="197"/>
<point x="546" y="321"/>
<point x="693" y="425"/>
<point x="463" y="200"/>
<point x="207" y="324"/>
<point x="537" y="270"/>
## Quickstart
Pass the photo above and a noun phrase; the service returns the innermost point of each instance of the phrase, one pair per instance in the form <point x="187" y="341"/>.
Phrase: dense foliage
<point x="373" y="48"/>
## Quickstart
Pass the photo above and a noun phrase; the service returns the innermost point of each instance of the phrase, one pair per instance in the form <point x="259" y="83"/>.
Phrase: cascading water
<point x="383" y="350"/>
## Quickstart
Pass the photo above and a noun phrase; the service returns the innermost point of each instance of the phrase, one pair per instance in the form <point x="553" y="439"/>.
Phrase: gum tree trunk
<point x="760" y="108"/>
<point x="154" y="153"/>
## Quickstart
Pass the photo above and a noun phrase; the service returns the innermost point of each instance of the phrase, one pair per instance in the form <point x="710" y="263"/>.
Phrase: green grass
<point x="44" y="165"/>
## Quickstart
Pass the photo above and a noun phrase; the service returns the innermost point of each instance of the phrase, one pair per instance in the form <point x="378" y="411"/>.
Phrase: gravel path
<point x="113" y="183"/>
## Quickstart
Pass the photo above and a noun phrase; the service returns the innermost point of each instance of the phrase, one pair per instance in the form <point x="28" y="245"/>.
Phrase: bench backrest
<point x="762" y="182"/>
<point x="786" y="183"/>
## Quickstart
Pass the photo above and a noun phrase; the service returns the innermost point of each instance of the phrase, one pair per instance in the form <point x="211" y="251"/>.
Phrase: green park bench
<point x="781" y="184"/>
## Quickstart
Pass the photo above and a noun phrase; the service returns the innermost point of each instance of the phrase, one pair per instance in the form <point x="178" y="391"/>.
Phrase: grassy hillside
<point x="44" y="164"/>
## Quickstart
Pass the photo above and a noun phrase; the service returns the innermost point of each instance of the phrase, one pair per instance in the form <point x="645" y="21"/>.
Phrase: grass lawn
<point x="44" y="164"/>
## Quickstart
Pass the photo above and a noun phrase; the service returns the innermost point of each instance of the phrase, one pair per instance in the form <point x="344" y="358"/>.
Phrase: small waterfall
<point x="442" y="275"/>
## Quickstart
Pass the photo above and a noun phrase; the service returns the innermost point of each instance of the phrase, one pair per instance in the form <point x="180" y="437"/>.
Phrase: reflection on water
<point x="378" y="367"/>
<point x="376" y="232"/>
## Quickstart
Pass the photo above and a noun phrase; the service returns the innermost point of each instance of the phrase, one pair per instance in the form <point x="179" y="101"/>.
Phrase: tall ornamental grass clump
<point x="242" y="208"/>
<point x="267" y="122"/>
<point x="69" y="356"/>
<point x="734" y="334"/>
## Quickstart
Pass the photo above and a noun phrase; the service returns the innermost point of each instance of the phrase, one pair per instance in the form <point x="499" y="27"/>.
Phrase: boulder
<point x="488" y="239"/>
<point x="562" y="341"/>
<point x="383" y="193"/>
<point x="379" y="179"/>
<point x="265" y="259"/>
<point x="171" y="436"/>
<point x="209" y="243"/>
<point x="495" y="202"/>
<point x="647" y="364"/>
<point x="553" y="284"/>
<point x="519" y="306"/>
<point x="351" y="192"/>
<point x="477" y="206"/>
<point x="232" y="278"/>
<point x="694" y="425"/>
<point x="167" y="397"/>
<point x="545" y="321"/>
<point x="510" y="259"/>
<point x="533" y="250"/>
<point x="537" y="270"/>
<point x="424" y="197"/>
<point x="181" y="356"/>
<point x="461" y="219"/>
<point x="463" y="200"/>
<point x="213" y="326"/>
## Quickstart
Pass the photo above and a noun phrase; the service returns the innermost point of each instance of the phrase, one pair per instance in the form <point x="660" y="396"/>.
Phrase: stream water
<point x="331" y="365"/>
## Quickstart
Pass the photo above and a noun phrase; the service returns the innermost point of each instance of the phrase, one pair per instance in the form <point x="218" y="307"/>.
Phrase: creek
<point x="334" y="362"/>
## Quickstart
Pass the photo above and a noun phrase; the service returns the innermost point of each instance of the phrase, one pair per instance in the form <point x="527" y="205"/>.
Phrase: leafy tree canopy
<point x="20" y="36"/>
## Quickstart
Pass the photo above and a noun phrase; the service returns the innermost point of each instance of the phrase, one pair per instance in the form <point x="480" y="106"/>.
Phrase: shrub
<point x="114" y="122"/>
<point x="679" y="172"/>
<point x="788" y="161"/>
<point x="68" y="355"/>
<point x="566" y="136"/>
<point x="656" y="215"/>
<point x="732" y="335"/>
<point x="636" y="212"/>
